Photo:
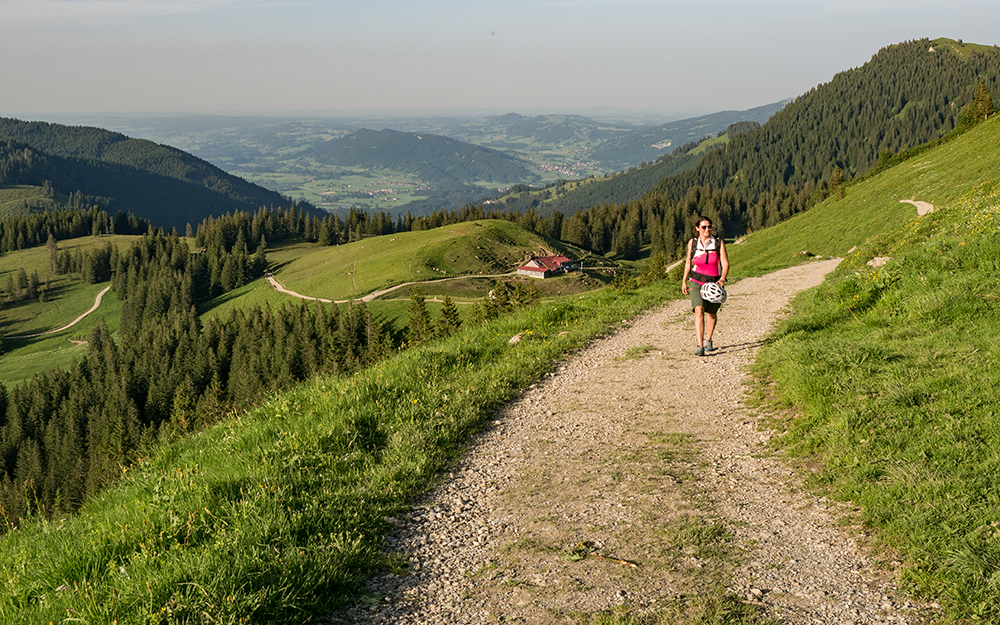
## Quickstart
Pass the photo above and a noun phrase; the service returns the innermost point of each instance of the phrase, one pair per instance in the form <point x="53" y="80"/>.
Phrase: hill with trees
<point x="908" y="95"/>
<point x="159" y="183"/>
<point x="433" y="157"/>
<point x="647" y="144"/>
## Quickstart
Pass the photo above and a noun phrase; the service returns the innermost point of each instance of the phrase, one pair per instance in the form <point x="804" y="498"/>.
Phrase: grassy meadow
<point x="66" y="298"/>
<point x="23" y="199"/>
<point x="483" y="247"/>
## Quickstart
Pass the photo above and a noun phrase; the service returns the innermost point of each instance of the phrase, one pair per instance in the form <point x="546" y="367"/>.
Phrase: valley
<point x="204" y="447"/>
<point x="279" y="154"/>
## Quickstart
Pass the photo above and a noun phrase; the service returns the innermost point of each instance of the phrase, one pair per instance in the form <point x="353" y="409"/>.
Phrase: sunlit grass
<point x="277" y="513"/>
<point x="893" y="369"/>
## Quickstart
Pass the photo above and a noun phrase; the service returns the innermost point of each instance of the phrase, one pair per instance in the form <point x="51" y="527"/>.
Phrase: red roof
<point x="546" y="263"/>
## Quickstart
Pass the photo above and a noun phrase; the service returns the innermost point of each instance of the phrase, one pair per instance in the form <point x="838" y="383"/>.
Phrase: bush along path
<point x="632" y="485"/>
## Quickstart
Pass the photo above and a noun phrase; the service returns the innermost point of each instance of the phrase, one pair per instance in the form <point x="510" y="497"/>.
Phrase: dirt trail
<point x="375" y="294"/>
<point x="643" y="452"/>
<point x="97" y="303"/>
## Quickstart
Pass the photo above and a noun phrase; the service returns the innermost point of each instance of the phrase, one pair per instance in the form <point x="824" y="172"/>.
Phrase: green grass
<point x="350" y="271"/>
<point x="277" y="513"/>
<point x="18" y="200"/>
<point x="710" y="144"/>
<point x="66" y="298"/>
<point x="23" y="358"/>
<point x="891" y="371"/>
<point x="873" y="208"/>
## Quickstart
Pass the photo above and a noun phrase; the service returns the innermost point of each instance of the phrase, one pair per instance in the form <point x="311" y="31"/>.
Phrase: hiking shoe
<point x="700" y="351"/>
<point x="709" y="347"/>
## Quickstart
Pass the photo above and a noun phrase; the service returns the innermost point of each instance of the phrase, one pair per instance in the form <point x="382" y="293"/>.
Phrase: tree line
<point x="66" y="434"/>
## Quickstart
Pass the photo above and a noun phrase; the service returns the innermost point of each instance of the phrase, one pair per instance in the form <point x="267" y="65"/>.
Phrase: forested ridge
<point x="164" y="185"/>
<point x="907" y="95"/>
<point x="432" y="157"/>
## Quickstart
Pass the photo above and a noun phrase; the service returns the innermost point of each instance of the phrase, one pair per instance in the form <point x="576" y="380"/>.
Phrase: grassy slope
<point x="277" y="513"/>
<point x="872" y="208"/>
<point x="66" y="299"/>
<point x="18" y="200"/>
<point x="349" y="271"/>
<point x="891" y="370"/>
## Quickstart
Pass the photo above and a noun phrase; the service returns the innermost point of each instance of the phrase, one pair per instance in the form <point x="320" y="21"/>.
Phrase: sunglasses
<point x="704" y="227"/>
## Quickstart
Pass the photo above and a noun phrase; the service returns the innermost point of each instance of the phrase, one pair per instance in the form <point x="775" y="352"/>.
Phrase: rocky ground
<point x="634" y="481"/>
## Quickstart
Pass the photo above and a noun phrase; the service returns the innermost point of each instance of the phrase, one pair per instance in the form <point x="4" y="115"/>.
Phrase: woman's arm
<point x="687" y="268"/>
<point x="724" y="261"/>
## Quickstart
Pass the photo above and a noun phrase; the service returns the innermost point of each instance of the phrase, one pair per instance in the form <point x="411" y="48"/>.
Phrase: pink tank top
<point x="706" y="258"/>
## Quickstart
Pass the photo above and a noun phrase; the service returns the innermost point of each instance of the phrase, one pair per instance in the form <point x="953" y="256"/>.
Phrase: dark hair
<point x="701" y="219"/>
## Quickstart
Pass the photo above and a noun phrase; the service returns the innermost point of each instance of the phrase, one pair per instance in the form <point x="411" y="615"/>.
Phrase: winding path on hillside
<point x="627" y="447"/>
<point x="97" y="303"/>
<point x="374" y="295"/>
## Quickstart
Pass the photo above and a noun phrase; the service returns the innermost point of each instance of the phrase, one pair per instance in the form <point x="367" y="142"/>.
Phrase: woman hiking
<point x="707" y="262"/>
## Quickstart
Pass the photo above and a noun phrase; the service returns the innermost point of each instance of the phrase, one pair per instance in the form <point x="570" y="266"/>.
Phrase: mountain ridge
<point x="122" y="173"/>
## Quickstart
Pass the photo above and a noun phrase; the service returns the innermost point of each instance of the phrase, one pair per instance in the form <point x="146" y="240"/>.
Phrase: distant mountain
<point x="432" y="157"/>
<point x="646" y="144"/>
<point x="162" y="184"/>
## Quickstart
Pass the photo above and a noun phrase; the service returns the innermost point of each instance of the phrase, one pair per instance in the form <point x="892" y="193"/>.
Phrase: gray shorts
<point x="695" y="289"/>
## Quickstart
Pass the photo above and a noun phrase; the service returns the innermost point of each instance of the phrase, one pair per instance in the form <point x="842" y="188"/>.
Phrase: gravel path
<point x="641" y="451"/>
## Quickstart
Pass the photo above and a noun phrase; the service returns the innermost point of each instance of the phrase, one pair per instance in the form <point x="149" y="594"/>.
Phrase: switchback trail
<point x="641" y="452"/>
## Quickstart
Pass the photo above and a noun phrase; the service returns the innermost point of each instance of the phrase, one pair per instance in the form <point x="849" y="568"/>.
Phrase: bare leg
<point x="699" y="325"/>
<point x="710" y="326"/>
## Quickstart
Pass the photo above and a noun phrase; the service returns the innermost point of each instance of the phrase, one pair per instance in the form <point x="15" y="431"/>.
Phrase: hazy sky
<point x="232" y="56"/>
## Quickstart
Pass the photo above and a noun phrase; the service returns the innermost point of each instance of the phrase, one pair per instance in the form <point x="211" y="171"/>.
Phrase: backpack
<point x="693" y="243"/>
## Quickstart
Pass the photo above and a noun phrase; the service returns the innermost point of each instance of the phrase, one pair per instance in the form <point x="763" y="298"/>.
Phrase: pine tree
<point x="450" y="321"/>
<point x="419" y="327"/>
<point x="982" y="104"/>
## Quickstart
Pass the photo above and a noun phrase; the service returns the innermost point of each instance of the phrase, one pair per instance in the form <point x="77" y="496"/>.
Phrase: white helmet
<point x="712" y="292"/>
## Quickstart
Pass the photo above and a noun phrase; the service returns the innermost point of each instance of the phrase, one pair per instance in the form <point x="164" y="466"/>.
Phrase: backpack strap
<point x="694" y="246"/>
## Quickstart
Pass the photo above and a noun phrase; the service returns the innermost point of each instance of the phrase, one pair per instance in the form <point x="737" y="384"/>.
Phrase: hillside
<point x="907" y="95"/>
<point x="482" y="247"/>
<point x="942" y="177"/>
<point x="648" y="144"/>
<point x="168" y="187"/>
<point x="567" y="197"/>
<point x="434" y="158"/>
<point x="24" y="199"/>
<point x="885" y="369"/>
